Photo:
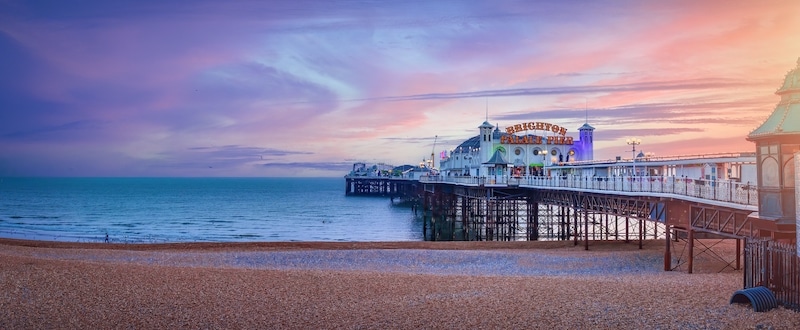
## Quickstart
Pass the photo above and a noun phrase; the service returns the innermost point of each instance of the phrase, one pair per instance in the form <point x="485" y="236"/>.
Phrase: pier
<point x="402" y="188"/>
<point x="532" y="181"/>
<point x="583" y="209"/>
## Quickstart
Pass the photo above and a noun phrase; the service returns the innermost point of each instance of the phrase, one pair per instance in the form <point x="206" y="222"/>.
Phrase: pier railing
<point x="717" y="190"/>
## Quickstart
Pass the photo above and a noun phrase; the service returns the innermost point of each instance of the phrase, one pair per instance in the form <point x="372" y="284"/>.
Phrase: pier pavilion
<point x="500" y="153"/>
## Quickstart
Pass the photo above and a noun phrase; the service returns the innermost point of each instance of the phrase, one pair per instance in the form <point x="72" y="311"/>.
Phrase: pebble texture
<point x="404" y="285"/>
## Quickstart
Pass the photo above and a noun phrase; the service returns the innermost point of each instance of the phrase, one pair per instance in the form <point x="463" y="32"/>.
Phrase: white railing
<point x="717" y="190"/>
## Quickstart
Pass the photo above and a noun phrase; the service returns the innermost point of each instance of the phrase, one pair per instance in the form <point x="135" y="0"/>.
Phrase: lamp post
<point x="633" y="142"/>
<point x="544" y="158"/>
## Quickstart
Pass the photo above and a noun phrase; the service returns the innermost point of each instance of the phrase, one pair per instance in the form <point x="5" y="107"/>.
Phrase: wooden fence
<point x="776" y="266"/>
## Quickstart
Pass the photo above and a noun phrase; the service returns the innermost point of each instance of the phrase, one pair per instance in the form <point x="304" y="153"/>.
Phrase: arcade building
<point x="521" y="149"/>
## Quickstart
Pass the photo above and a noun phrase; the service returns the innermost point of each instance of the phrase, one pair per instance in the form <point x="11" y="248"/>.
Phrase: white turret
<point x="586" y="137"/>
<point x="486" y="142"/>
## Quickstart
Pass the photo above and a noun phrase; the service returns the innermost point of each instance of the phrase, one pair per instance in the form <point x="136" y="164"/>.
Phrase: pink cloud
<point x="338" y="78"/>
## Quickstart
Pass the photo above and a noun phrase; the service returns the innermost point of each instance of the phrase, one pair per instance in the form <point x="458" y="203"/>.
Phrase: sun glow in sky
<point x="306" y="87"/>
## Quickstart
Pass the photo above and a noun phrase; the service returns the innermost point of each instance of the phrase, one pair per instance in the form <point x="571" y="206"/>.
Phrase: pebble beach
<point x="369" y="285"/>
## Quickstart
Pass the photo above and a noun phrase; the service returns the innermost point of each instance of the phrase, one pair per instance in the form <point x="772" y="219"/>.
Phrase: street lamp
<point x="633" y="142"/>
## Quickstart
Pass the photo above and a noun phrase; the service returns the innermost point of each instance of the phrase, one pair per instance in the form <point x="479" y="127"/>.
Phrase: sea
<point x="166" y="210"/>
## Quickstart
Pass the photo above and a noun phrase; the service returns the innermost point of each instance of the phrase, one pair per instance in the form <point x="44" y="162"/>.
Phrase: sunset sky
<point x="307" y="87"/>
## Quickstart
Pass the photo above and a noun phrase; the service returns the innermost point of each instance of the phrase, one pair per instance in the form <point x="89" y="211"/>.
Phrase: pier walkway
<point x="729" y="193"/>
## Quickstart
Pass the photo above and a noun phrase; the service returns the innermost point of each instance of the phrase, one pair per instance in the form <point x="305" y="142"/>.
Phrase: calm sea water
<point x="144" y="210"/>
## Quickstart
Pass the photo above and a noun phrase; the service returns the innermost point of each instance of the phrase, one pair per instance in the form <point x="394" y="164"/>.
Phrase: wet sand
<point x="402" y="285"/>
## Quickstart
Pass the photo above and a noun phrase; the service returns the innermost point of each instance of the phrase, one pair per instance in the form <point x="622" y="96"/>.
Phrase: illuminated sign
<point x="534" y="126"/>
<point x="513" y="139"/>
<point x="531" y="126"/>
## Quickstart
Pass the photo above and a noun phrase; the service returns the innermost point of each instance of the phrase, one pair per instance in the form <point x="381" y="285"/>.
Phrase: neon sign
<point x="531" y="126"/>
<point x="534" y="126"/>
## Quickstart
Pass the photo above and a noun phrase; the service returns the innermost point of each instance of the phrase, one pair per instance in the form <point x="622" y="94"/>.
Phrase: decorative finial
<point x="487" y="102"/>
<point x="586" y="108"/>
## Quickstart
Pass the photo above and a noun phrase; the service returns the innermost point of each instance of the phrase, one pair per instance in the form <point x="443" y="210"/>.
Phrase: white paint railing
<point x="717" y="190"/>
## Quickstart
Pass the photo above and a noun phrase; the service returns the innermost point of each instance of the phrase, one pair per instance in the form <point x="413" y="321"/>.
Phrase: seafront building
<point x="546" y="150"/>
<point x="508" y="153"/>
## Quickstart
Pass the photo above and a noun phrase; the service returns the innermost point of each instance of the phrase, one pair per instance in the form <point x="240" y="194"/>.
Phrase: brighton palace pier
<point x="534" y="180"/>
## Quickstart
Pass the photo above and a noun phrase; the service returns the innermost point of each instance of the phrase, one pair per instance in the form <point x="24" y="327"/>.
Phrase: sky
<point x="307" y="87"/>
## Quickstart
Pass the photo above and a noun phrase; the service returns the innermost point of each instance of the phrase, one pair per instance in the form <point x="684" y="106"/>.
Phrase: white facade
<point x="539" y="146"/>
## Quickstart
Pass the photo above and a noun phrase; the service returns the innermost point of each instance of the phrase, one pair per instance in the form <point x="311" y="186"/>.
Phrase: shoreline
<point x="218" y="285"/>
<point x="326" y="245"/>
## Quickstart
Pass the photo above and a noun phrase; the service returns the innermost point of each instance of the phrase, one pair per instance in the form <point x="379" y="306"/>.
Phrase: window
<point x="769" y="172"/>
<point x="788" y="173"/>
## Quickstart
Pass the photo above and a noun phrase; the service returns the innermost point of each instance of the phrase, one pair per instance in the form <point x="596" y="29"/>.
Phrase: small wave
<point x="247" y="236"/>
<point x="125" y="225"/>
<point x="35" y="217"/>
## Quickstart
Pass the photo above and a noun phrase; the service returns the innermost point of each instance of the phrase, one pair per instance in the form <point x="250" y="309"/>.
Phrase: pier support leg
<point x="667" y="252"/>
<point x="424" y="217"/>
<point x="563" y="224"/>
<point x="586" y="225"/>
<point x="627" y="225"/>
<point x="576" y="216"/>
<point x="690" y="262"/>
<point x="738" y="254"/>
<point x="641" y="233"/>
<point x="533" y="227"/>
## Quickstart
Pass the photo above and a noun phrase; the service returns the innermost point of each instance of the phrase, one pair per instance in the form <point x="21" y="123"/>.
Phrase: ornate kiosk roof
<point x="785" y="119"/>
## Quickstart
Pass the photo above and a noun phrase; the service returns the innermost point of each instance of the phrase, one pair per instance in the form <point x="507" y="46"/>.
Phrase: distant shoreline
<point x="326" y="245"/>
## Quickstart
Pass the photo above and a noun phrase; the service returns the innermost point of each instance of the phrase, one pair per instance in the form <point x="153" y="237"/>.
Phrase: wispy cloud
<point x="77" y="129"/>
<point x="632" y="87"/>
<point x="209" y="87"/>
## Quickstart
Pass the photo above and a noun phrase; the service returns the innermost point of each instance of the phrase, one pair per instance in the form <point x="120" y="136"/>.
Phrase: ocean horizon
<point x="175" y="209"/>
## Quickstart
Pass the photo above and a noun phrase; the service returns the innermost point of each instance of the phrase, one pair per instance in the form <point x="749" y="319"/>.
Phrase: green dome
<point x="785" y="119"/>
<point x="792" y="81"/>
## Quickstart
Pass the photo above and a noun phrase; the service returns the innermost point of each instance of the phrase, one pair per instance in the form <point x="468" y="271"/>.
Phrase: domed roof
<point x="792" y="81"/>
<point x="785" y="119"/>
<point x="473" y="142"/>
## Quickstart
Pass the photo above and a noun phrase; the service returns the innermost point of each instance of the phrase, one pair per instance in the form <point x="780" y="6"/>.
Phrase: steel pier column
<point x="690" y="264"/>
<point x="667" y="252"/>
